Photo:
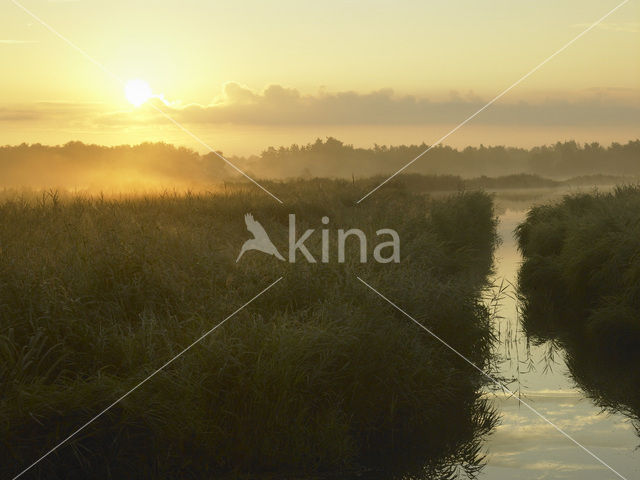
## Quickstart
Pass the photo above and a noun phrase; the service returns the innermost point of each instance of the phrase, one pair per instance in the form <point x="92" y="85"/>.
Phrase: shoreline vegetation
<point x="158" y="166"/>
<point x="580" y="287"/>
<point x="318" y="378"/>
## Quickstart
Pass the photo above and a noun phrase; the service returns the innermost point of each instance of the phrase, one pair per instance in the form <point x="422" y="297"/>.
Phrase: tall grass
<point x="316" y="377"/>
<point x="582" y="258"/>
<point x="580" y="282"/>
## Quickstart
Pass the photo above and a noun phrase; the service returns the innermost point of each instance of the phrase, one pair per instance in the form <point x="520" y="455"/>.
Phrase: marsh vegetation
<point x="317" y="377"/>
<point x="580" y="284"/>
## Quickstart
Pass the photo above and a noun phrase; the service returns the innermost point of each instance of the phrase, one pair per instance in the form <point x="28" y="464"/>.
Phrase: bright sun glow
<point x="137" y="92"/>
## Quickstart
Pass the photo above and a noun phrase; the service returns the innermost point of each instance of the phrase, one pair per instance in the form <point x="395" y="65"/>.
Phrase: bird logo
<point x="260" y="240"/>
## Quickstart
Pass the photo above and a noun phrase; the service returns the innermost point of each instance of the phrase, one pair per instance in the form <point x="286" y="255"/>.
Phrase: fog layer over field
<point x="160" y="166"/>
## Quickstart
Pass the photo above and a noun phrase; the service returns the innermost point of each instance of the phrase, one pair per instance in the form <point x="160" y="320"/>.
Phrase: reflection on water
<point x="610" y="384"/>
<point x="563" y="384"/>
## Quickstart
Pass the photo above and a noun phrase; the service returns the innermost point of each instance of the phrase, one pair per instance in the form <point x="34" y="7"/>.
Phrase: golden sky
<point x="245" y="75"/>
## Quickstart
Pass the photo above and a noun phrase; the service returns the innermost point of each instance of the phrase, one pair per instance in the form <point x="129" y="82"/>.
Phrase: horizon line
<point x="373" y="146"/>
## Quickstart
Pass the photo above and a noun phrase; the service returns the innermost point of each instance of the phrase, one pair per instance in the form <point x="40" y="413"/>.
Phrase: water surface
<point x="523" y="446"/>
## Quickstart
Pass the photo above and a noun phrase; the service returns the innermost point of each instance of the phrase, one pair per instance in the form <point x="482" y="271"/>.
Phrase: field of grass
<point x="580" y="283"/>
<point x="318" y="377"/>
<point x="582" y="259"/>
<point x="520" y="185"/>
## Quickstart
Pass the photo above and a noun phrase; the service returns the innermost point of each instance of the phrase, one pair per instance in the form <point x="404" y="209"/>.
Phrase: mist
<point x="153" y="166"/>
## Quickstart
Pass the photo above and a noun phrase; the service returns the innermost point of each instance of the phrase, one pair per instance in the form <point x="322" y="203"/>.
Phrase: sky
<point x="246" y="75"/>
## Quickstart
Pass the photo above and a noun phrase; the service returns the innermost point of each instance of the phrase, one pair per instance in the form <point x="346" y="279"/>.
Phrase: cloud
<point x="16" y="42"/>
<point x="278" y="106"/>
<point x="17" y="115"/>
<point x="51" y="111"/>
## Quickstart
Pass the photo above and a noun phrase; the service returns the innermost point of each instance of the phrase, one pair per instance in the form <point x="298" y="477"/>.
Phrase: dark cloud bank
<point x="280" y="106"/>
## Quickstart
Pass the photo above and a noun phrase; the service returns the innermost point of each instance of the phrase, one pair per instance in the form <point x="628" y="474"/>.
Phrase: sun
<point x="137" y="92"/>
